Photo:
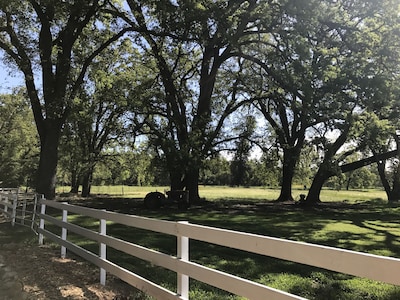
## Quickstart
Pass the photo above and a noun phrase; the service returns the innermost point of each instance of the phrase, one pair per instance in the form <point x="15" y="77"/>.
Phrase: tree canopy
<point x="187" y="80"/>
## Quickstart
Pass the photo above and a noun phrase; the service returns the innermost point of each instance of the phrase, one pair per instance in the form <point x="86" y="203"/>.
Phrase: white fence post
<point x="41" y="223"/>
<point x="103" y="250"/>
<point x="14" y="209"/>
<point x="34" y="211"/>
<point x="5" y="205"/>
<point x="23" y="213"/>
<point x="183" y="254"/>
<point x="64" y="232"/>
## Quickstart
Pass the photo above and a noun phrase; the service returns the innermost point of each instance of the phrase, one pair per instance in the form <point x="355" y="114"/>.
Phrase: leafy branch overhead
<point x="298" y="80"/>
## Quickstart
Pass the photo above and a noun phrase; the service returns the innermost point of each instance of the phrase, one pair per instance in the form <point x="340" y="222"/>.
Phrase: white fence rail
<point x="375" y="267"/>
<point x="19" y="207"/>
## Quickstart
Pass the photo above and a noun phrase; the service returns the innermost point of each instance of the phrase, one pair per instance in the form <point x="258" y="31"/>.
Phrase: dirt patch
<point x="41" y="274"/>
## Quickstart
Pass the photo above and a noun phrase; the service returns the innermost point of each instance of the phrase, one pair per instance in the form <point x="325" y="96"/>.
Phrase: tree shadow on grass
<point x="367" y="227"/>
<point x="16" y="234"/>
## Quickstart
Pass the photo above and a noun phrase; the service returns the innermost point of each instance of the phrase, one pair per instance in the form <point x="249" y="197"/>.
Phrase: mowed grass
<point x="356" y="220"/>
<point x="236" y="193"/>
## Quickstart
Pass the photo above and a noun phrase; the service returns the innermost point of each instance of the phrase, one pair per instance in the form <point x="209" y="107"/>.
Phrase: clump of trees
<point x="145" y="92"/>
<point x="19" y="150"/>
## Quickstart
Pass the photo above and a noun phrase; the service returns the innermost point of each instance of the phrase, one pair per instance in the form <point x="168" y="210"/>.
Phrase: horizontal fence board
<point x="154" y="257"/>
<point x="161" y="226"/>
<point x="131" y="278"/>
<point x="227" y="281"/>
<point x="6" y="213"/>
<point x="8" y="204"/>
<point x="386" y="269"/>
<point x="50" y="219"/>
<point x="233" y="284"/>
<point x="210" y="276"/>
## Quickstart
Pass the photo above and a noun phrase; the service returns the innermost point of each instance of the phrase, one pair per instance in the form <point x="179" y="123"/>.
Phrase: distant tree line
<point x="139" y="166"/>
<point x="151" y="92"/>
<point x="223" y="171"/>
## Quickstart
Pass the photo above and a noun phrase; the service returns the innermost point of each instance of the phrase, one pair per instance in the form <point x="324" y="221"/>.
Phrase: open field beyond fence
<point x="354" y="220"/>
<point x="237" y="193"/>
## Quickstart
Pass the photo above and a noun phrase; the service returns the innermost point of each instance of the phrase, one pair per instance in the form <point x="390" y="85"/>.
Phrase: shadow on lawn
<point x="370" y="227"/>
<point x="17" y="234"/>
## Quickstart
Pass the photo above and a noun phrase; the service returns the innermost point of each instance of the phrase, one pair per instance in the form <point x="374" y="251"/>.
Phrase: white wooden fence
<point x="375" y="267"/>
<point x="19" y="207"/>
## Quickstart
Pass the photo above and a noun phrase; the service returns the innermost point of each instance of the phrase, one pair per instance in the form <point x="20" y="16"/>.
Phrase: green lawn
<point x="362" y="221"/>
<point x="236" y="193"/>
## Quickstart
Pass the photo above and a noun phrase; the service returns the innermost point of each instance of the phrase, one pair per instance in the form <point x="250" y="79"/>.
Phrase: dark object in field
<point x="154" y="200"/>
<point x="179" y="196"/>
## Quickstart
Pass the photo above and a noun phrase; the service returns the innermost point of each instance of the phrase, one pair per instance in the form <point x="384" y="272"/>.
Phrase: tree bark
<point x="385" y="182"/>
<point x="314" y="192"/>
<point x="324" y="172"/>
<point x="192" y="184"/>
<point x="290" y="158"/>
<point x="327" y="168"/>
<point x="74" y="181"/>
<point x="367" y="161"/>
<point x="395" y="195"/>
<point x="47" y="171"/>
<point x="87" y="183"/>
<point x="176" y="177"/>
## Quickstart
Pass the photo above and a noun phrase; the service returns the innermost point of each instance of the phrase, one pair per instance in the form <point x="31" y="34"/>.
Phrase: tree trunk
<point x="74" y="187"/>
<point x="290" y="158"/>
<point x="192" y="184"/>
<point x="314" y="192"/>
<point x="348" y="181"/>
<point x="176" y="181"/>
<point x="47" y="171"/>
<point x="386" y="185"/>
<point x="396" y="178"/>
<point x="74" y="182"/>
<point x="324" y="172"/>
<point x="395" y="192"/>
<point x="367" y="161"/>
<point x="87" y="183"/>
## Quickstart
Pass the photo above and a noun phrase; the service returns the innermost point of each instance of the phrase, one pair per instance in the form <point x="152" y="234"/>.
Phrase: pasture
<point x="237" y="193"/>
<point x="355" y="220"/>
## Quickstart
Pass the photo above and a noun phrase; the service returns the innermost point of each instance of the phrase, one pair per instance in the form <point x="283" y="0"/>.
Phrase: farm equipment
<point x="155" y="200"/>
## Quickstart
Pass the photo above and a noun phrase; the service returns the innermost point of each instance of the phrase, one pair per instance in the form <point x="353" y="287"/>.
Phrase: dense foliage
<point x="18" y="141"/>
<point x="270" y="93"/>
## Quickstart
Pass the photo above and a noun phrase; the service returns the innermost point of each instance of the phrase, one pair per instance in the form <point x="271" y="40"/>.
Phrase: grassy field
<point x="356" y="220"/>
<point x="236" y="193"/>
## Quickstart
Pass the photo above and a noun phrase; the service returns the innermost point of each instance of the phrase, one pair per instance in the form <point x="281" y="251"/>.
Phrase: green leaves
<point x="18" y="140"/>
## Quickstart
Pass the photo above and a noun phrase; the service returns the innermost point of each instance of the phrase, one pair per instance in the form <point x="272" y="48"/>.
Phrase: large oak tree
<point x="41" y="38"/>
<point x="315" y="72"/>
<point x="192" y="45"/>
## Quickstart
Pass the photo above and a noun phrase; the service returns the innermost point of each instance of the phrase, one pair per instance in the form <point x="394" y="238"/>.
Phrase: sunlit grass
<point x="119" y="190"/>
<point x="240" y="193"/>
<point x="369" y="225"/>
<point x="352" y="196"/>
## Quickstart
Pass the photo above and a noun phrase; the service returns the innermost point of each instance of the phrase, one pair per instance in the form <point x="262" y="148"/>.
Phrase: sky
<point x="9" y="81"/>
